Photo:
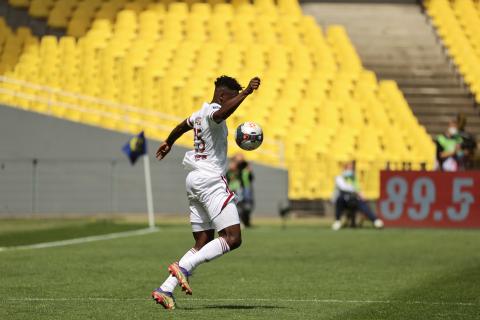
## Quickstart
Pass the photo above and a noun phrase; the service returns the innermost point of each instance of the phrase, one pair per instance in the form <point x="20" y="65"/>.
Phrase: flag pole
<point x="148" y="189"/>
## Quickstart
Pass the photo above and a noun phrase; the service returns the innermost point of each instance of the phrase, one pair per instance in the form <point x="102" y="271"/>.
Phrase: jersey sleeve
<point x="191" y="119"/>
<point x="211" y="109"/>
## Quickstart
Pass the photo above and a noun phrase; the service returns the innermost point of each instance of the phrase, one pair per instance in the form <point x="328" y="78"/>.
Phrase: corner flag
<point x="135" y="147"/>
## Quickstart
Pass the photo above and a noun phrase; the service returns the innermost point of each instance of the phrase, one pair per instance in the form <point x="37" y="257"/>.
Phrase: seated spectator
<point x="469" y="143"/>
<point x="449" y="150"/>
<point x="347" y="197"/>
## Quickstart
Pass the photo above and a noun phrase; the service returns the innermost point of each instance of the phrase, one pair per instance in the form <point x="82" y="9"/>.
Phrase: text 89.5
<point x="420" y="199"/>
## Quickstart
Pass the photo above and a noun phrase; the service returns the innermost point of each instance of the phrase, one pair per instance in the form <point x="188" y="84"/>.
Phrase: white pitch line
<point x="69" y="242"/>
<point x="324" y="301"/>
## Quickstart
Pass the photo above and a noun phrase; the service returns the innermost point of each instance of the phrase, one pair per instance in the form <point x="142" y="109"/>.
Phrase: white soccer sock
<point x="210" y="251"/>
<point x="171" y="282"/>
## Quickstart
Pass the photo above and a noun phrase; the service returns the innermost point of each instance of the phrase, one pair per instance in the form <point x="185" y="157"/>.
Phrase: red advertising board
<point x="430" y="199"/>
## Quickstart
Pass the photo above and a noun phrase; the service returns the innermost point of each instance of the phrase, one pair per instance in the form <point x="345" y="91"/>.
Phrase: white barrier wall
<point x="49" y="165"/>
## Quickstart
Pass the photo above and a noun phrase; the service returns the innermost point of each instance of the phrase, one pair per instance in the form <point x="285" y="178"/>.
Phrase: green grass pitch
<point x="302" y="272"/>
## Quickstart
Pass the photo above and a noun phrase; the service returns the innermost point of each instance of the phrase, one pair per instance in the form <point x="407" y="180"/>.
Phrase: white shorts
<point x="208" y="195"/>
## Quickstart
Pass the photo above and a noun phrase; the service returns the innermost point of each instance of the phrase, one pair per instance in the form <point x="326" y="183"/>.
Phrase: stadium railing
<point x="120" y="117"/>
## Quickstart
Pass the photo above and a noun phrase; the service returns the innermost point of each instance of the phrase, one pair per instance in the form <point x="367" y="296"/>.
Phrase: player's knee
<point x="234" y="241"/>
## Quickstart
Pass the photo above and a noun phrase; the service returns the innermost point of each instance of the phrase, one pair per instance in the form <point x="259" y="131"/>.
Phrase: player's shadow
<point x="240" y="307"/>
<point x="235" y="307"/>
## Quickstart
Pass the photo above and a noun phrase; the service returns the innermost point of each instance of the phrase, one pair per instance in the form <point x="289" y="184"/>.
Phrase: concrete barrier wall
<point x="49" y="165"/>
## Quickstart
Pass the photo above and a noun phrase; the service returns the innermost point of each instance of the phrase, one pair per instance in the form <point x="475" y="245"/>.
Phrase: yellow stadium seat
<point x="40" y="8"/>
<point x="223" y="11"/>
<point x="178" y="9"/>
<point x="458" y="24"/>
<point x="19" y="3"/>
<point x="201" y="9"/>
<point x="58" y="19"/>
<point x="215" y="2"/>
<point x="159" y="8"/>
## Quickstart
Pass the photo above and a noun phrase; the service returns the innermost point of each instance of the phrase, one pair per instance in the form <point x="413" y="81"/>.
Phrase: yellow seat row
<point x="458" y="24"/>
<point x="76" y="15"/>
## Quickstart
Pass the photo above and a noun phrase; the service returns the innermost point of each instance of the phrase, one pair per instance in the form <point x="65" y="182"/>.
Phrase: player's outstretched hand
<point x="252" y="85"/>
<point x="162" y="151"/>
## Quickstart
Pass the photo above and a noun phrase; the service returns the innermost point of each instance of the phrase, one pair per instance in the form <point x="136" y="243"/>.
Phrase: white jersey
<point x="210" y="142"/>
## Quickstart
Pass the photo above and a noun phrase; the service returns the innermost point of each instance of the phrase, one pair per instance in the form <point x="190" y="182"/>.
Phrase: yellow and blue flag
<point x="135" y="147"/>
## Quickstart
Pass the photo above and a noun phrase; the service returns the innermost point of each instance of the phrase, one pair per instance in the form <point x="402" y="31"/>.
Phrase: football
<point x="249" y="136"/>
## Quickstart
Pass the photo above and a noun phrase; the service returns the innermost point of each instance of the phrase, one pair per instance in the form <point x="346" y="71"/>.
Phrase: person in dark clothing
<point x="469" y="143"/>
<point x="449" y="150"/>
<point x="240" y="180"/>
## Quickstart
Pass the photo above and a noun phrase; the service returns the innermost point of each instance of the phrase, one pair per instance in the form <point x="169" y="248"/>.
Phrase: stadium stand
<point x="458" y="24"/>
<point x="132" y="65"/>
<point x="397" y="41"/>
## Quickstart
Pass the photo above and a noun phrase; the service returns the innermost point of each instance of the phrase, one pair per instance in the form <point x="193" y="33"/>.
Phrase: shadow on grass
<point x="240" y="307"/>
<point x="233" y="307"/>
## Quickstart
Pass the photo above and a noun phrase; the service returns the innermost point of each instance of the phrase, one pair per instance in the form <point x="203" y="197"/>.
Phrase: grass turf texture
<point x="389" y="274"/>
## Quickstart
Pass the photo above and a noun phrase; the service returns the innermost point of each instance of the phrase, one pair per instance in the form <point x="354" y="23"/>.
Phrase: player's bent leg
<point x="171" y="282"/>
<point x="203" y="232"/>
<point x="209" y="252"/>
<point x="228" y="224"/>
<point x="202" y="235"/>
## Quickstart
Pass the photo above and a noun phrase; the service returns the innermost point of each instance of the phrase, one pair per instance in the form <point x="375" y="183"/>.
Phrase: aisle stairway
<point x="398" y="42"/>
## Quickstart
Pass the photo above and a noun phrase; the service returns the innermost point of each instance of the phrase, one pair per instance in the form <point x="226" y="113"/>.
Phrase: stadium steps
<point x="399" y="72"/>
<point x="396" y="41"/>
<point x="17" y="17"/>
<point x="422" y="82"/>
<point x="440" y="110"/>
<point x="424" y="91"/>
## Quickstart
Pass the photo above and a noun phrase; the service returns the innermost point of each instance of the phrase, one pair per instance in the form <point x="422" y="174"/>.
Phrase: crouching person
<point x="347" y="198"/>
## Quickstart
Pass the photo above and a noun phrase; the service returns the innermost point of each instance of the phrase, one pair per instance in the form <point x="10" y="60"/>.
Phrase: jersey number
<point x="199" y="144"/>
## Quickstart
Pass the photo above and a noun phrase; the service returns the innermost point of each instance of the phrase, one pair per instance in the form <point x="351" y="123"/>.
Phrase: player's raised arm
<point x="229" y="106"/>
<point x="176" y="133"/>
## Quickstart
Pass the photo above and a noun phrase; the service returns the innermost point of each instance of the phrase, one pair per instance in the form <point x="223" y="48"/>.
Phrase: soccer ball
<point x="249" y="136"/>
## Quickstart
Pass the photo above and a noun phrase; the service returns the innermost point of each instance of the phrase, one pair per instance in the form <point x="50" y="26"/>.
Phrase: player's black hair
<point x="228" y="82"/>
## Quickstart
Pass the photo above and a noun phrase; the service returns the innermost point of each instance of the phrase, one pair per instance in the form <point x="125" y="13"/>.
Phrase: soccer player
<point x="210" y="200"/>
